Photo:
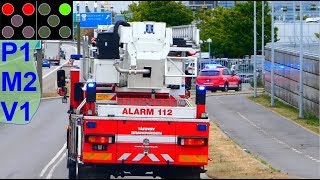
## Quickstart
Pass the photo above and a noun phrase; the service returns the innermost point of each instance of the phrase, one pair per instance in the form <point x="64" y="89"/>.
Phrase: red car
<point x="219" y="79"/>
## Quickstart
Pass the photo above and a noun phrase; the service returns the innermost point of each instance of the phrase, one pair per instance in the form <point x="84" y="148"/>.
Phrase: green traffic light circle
<point x="65" y="9"/>
<point x="44" y="32"/>
<point x="44" y="9"/>
<point x="65" y="32"/>
<point x="53" y="20"/>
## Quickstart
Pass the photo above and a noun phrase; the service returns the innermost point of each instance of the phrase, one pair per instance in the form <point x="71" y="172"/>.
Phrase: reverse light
<point x="99" y="139"/>
<point x="192" y="141"/>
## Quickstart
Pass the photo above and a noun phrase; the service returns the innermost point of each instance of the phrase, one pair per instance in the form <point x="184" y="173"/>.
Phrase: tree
<point x="317" y="35"/>
<point x="171" y="12"/>
<point x="231" y="29"/>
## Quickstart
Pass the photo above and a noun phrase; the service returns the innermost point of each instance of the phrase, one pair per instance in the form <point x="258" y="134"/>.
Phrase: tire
<point x="88" y="172"/>
<point x="239" y="88"/>
<point x="72" y="170"/>
<point x="225" y="87"/>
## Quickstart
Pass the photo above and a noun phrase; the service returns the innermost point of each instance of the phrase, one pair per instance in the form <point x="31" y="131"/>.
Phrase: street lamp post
<point x="294" y="23"/>
<point x="272" y="55"/>
<point x="255" y="49"/>
<point x="262" y="45"/>
<point x="301" y="113"/>
<point x="209" y="41"/>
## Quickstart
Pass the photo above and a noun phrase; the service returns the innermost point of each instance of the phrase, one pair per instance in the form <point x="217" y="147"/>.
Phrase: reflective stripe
<point x="97" y="156"/>
<point x="153" y="157"/>
<point x="124" y="156"/>
<point x="152" y="139"/>
<point x="167" y="157"/>
<point x="138" y="157"/>
<point x="193" y="158"/>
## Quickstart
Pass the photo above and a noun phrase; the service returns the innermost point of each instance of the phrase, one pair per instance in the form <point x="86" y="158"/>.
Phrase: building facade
<point x="100" y="6"/>
<point x="284" y="10"/>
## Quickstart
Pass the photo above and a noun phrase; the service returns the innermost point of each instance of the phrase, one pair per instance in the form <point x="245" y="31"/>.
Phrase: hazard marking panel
<point x="147" y="111"/>
<point x="105" y="96"/>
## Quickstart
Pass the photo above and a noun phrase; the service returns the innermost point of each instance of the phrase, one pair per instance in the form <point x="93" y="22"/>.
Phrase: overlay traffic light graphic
<point x="36" y="20"/>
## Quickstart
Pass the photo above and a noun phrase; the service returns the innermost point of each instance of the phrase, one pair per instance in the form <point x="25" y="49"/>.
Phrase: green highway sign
<point x="38" y="45"/>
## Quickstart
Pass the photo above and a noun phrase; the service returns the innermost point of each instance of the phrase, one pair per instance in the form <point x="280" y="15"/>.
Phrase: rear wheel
<point x="72" y="169"/>
<point x="188" y="173"/>
<point x="89" y="172"/>
<point x="225" y="87"/>
<point x="239" y="87"/>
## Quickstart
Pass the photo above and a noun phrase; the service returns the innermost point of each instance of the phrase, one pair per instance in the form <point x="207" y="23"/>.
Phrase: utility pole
<point x="272" y="55"/>
<point x="301" y="114"/>
<point x="262" y="44"/>
<point x="255" y="49"/>
<point x="39" y="66"/>
<point x="78" y="38"/>
<point x="294" y="23"/>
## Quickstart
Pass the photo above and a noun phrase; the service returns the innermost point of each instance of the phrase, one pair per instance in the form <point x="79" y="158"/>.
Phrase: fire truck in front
<point x="129" y="114"/>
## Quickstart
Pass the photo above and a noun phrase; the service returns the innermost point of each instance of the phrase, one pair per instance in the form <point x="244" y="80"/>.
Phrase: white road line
<point x="54" y="167"/>
<point x="53" y="159"/>
<point x="277" y="140"/>
<point x="54" y="70"/>
<point x="74" y="48"/>
<point x="220" y="100"/>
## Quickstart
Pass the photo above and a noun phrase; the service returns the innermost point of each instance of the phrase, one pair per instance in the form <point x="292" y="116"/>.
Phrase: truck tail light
<point x="100" y="139"/>
<point x="193" y="141"/>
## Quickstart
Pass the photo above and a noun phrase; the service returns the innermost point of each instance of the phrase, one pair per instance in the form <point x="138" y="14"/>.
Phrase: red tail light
<point x="99" y="139"/>
<point x="193" y="141"/>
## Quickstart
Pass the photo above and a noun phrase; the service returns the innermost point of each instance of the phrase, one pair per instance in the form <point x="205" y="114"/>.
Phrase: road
<point x="280" y="142"/>
<point x="26" y="149"/>
<point x="49" y="75"/>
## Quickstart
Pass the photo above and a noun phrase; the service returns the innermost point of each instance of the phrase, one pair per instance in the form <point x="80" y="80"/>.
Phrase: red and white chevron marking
<point x="152" y="157"/>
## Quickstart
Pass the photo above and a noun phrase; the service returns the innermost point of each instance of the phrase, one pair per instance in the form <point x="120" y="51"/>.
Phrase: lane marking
<point x="274" y="138"/>
<point x="43" y="77"/>
<point x="53" y="159"/>
<point x="218" y="99"/>
<point x="54" y="167"/>
<point x="74" y="48"/>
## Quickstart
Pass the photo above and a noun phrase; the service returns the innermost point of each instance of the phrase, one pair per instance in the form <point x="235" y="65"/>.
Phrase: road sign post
<point x="38" y="45"/>
<point x="39" y="63"/>
<point x="92" y="20"/>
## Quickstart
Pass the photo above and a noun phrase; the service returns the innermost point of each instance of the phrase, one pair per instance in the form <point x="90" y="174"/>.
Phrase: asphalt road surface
<point x="26" y="149"/>
<point x="280" y="142"/>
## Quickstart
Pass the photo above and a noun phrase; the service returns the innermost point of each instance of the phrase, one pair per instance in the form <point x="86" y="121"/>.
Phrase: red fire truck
<point x="129" y="115"/>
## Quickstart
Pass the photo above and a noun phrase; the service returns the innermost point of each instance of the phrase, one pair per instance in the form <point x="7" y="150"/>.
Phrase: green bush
<point x="259" y="83"/>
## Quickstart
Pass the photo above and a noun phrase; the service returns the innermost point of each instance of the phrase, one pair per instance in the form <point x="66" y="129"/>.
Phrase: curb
<point x="48" y="98"/>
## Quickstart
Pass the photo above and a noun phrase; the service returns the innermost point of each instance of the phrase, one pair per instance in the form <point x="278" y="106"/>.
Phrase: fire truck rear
<point x="129" y="114"/>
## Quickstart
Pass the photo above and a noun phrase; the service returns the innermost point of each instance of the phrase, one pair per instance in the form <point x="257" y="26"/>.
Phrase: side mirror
<point x="233" y="73"/>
